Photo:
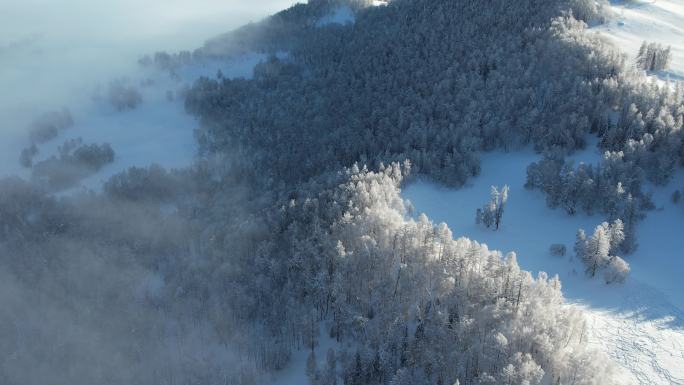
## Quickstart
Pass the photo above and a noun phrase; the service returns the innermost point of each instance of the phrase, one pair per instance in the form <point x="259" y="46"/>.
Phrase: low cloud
<point x="52" y="53"/>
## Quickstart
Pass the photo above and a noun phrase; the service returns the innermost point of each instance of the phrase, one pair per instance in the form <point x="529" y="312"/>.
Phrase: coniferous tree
<point x="491" y="214"/>
<point x="596" y="250"/>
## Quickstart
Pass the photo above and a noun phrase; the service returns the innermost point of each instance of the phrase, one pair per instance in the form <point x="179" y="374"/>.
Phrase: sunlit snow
<point x="659" y="21"/>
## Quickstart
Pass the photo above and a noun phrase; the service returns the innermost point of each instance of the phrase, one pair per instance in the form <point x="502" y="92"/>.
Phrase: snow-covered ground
<point x="157" y="131"/>
<point x="640" y="323"/>
<point x="659" y="21"/>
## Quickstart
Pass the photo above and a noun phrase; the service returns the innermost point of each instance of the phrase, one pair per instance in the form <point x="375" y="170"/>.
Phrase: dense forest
<point x="291" y="221"/>
<point x="449" y="88"/>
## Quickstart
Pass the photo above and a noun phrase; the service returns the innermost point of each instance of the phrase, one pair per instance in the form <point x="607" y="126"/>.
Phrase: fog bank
<point x="53" y="54"/>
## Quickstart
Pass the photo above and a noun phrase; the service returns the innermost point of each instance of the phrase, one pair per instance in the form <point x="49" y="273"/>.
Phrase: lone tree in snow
<point x="492" y="212"/>
<point x="595" y="251"/>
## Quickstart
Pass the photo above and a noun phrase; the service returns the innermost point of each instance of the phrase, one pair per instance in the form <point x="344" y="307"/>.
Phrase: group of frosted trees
<point x="238" y="273"/>
<point x="491" y="213"/>
<point x="75" y="161"/>
<point x="387" y="99"/>
<point x="43" y="129"/>
<point x="653" y="57"/>
<point x="469" y="313"/>
<point x="597" y="251"/>
<point x="590" y="189"/>
<point x="645" y="144"/>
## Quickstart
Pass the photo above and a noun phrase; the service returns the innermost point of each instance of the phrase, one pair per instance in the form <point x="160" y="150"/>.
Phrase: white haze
<point x="53" y="53"/>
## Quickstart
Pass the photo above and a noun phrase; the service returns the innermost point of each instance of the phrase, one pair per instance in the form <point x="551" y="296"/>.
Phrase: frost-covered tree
<point x="653" y="57"/>
<point x="616" y="233"/>
<point x="616" y="270"/>
<point x="374" y="113"/>
<point x="76" y="161"/>
<point x="596" y="252"/>
<point x="312" y="369"/>
<point x="329" y="375"/>
<point x="580" y="247"/>
<point x="490" y="214"/>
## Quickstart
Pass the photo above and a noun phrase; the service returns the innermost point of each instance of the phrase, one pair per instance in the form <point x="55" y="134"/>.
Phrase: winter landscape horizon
<point x="342" y="192"/>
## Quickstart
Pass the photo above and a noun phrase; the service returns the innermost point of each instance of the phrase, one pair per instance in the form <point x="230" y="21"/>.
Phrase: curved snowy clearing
<point x="639" y="324"/>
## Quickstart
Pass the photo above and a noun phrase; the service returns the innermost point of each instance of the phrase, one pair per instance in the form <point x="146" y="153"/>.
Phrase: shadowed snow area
<point x="640" y="323"/>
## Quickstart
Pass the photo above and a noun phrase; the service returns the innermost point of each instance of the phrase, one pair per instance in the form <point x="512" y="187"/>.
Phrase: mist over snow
<point x="57" y="54"/>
